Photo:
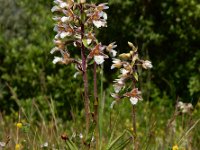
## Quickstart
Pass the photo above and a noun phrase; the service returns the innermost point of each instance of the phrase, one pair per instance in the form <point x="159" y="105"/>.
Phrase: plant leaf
<point x="135" y="76"/>
<point x="112" y="144"/>
<point x="91" y="133"/>
<point x="71" y="145"/>
<point x="85" y="43"/>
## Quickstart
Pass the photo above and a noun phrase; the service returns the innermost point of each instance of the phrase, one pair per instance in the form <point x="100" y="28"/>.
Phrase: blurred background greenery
<point x="166" y="32"/>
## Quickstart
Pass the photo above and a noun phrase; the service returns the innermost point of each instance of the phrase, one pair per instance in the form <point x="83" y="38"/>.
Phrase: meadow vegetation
<point x="42" y="104"/>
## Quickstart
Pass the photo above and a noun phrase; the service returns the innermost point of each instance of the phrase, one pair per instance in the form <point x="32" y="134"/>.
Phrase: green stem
<point x="85" y="79"/>
<point x="101" y="108"/>
<point x="134" y="128"/>
<point x="96" y="107"/>
<point x="135" y="142"/>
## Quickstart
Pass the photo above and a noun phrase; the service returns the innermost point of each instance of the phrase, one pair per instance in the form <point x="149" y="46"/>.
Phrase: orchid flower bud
<point x="83" y="1"/>
<point x="125" y="56"/>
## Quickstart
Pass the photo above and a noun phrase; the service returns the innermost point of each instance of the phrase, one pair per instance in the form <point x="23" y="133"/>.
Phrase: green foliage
<point x="119" y="143"/>
<point x="166" y="31"/>
<point x="26" y="64"/>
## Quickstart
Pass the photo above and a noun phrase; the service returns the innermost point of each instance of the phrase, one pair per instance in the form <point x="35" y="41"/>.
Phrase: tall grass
<point x="158" y="127"/>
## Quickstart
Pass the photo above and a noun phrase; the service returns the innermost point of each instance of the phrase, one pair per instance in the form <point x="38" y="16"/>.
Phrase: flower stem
<point x="100" y="123"/>
<point x="134" y="128"/>
<point x="96" y="107"/>
<point x="95" y="84"/>
<point x="135" y="142"/>
<point x="85" y="79"/>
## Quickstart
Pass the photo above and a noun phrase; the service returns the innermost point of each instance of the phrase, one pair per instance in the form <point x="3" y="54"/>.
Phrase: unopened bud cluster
<point x="128" y="64"/>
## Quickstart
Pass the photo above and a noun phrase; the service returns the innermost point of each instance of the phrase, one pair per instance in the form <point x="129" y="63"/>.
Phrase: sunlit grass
<point x="156" y="127"/>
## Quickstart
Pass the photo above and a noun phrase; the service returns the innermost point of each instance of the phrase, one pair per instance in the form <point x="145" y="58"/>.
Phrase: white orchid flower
<point x="147" y="64"/>
<point x="133" y="100"/>
<point x="99" y="59"/>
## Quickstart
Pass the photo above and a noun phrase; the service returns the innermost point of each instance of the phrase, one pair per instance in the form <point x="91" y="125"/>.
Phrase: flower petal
<point x="112" y="104"/>
<point x="54" y="49"/>
<point x="118" y="87"/>
<point x="124" y="71"/>
<point x="76" y="74"/>
<point x="2" y="144"/>
<point x="147" y="64"/>
<point x="55" y="8"/>
<point x="65" y="19"/>
<point x="64" y="34"/>
<point x="133" y="100"/>
<point x="113" y="66"/>
<point x="89" y="41"/>
<point x="99" y="59"/>
<point x="114" y="53"/>
<point x="63" y="5"/>
<point x="57" y="59"/>
<point x="99" y="23"/>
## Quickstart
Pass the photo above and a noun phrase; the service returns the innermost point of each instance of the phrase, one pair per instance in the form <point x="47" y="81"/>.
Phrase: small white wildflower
<point x="81" y="135"/>
<point x="55" y="8"/>
<point x="133" y="100"/>
<point x="113" y="53"/>
<point x="57" y="59"/>
<point x="89" y="41"/>
<point x="99" y="23"/>
<point x="116" y="63"/>
<point x="2" y="144"/>
<point x="65" y="19"/>
<point x="57" y="36"/>
<point x="104" y="15"/>
<point x="190" y="106"/>
<point x="180" y="104"/>
<point x="99" y="59"/>
<point x="185" y="107"/>
<point x="119" y="81"/>
<point x="124" y="71"/>
<point x="118" y="87"/>
<point x="147" y="64"/>
<point x="110" y="49"/>
<point x="64" y="34"/>
<point x="63" y="5"/>
<point x="44" y="145"/>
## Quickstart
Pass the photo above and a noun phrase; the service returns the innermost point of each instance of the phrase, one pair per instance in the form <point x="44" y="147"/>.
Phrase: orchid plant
<point x="76" y="23"/>
<point x="128" y="64"/>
